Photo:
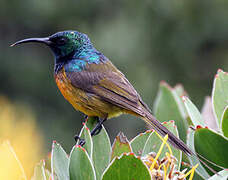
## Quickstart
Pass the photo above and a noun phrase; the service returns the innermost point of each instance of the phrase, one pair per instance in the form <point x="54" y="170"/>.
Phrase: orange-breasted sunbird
<point x="94" y="86"/>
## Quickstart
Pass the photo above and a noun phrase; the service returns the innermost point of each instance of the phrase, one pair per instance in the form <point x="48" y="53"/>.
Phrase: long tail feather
<point x="173" y="140"/>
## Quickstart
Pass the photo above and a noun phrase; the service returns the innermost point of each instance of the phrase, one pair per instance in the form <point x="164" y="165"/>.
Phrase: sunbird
<point x="93" y="85"/>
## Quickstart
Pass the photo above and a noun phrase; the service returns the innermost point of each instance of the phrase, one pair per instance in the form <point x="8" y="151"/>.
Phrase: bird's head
<point x="63" y="44"/>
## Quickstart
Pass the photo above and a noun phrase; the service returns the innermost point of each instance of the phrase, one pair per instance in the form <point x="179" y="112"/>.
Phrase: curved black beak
<point x="40" y="40"/>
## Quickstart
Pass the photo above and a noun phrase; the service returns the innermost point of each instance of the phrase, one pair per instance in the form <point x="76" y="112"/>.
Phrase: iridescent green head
<point x="63" y="44"/>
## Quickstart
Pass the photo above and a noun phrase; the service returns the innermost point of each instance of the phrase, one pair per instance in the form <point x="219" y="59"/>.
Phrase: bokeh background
<point x="179" y="41"/>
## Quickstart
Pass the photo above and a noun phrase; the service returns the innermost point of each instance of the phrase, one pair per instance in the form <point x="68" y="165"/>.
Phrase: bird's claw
<point x="81" y="141"/>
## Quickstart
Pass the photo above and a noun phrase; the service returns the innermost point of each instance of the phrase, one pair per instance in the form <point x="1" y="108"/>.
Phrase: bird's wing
<point x="111" y="85"/>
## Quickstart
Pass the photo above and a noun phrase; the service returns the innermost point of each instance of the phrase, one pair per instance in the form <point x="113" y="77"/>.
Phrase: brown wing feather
<point x="110" y="84"/>
<point x="119" y="92"/>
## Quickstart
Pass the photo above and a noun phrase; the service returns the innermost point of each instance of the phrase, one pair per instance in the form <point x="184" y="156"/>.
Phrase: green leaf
<point x="101" y="152"/>
<point x="127" y="167"/>
<point x="91" y="122"/>
<point x="222" y="175"/>
<point x="225" y="122"/>
<point x="193" y="112"/>
<point x="193" y="159"/>
<point x="139" y="141"/>
<point x="208" y="114"/>
<point x="220" y="94"/>
<point x="211" y="146"/>
<point x="101" y="148"/>
<point x="167" y="106"/>
<point x="80" y="166"/>
<point x="39" y="172"/>
<point x="59" y="162"/>
<point x="120" y="145"/>
<point x="179" y="92"/>
<point x="153" y="143"/>
<point x="85" y="134"/>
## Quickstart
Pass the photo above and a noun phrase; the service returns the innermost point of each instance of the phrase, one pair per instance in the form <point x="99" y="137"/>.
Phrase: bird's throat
<point x="79" y="60"/>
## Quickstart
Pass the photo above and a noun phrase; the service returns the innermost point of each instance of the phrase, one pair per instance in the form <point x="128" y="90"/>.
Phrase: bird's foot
<point x="81" y="141"/>
<point x="94" y="132"/>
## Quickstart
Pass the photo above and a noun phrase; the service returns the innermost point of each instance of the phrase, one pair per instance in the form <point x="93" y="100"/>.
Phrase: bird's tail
<point x="172" y="139"/>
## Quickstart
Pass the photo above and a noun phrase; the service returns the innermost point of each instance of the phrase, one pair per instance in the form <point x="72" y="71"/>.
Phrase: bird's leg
<point x="98" y="126"/>
<point x="96" y="130"/>
<point x="86" y="118"/>
<point x="81" y="141"/>
<point x="76" y="137"/>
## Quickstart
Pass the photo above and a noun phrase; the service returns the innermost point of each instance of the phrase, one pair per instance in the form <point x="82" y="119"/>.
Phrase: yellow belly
<point x="89" y="104"/>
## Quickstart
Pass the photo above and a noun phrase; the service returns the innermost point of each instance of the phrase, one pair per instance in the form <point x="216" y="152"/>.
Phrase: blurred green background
<point x="179" y="41"/>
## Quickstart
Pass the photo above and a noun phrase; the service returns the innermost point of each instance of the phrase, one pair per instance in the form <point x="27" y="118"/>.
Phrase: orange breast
<point x="89" y="104"/>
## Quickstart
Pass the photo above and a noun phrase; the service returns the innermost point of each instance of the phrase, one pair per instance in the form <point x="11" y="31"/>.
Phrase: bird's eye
<point x="61" y="41"/>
